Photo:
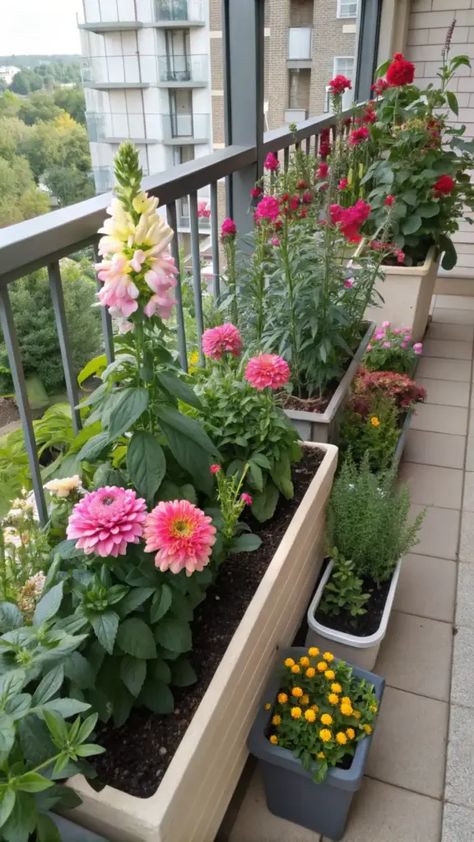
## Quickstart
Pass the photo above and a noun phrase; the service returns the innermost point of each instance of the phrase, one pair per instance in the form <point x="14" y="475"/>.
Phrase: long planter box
<point x="402" y="439"/>
<point x="290" y="791"/>
<point x="406" y="295"/>
<point x="324" y="426"/>
<point x="354" y="648"/>
<point x="194" y="794"/>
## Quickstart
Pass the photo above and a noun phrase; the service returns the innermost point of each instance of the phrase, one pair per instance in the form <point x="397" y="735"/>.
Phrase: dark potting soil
<point x="367" y="623"/>
<point x="138" y="754"/>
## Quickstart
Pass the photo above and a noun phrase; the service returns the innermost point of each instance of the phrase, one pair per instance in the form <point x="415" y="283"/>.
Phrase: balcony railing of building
<point x="179" y="11"/>
<point x="185" y="127"/>
<point x="114" y="127"/>
<point x="124" y="70"/>
<point x="183" y="70"/>
<point x="119" y="16"/>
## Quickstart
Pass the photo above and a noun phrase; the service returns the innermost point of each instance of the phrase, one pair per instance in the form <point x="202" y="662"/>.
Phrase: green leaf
<point x="264" y="504"/>
<point x="183" y="674"/>
<point x="10" y="617"/>
<point x="135" y="598"/>
<point x="49" y="604"/>
<point x="382" y="68"/>
<point x="245" y="543"/>
<point x="170" y="418"/>
<point x="146" y="464"/>
<point x="105" y="626"/>
<point x="67" y="550"/>
<point x="256" y="476"/>
<point x="411" y="224"/>
<point x="18" y="706"/>
<point x="174" y="635"/>
<point x="157" y="696"/>
<point x="193" y="459"/>
<point x="133" y="673"/>
<point x="56" y="727"/>
<point x="428" y="210"/>
<point x="135" y="638"/>
<point x="178" y="389"/>
<point x="32" y="782"/>
<point x="7" y="733"/>
<point x="159" y="670"/>
<point x="94" y="447"/>
<point x="130" y="405"/>
<point x="452" y="102"/>
<point x="89" y="749"/>
<point x="49" y="685"/>
<point x="281" y="476"/>
<point x="450" y="256"/>
<point x="7" y="802"/>
<point x="22" y="820"/>
<point x="66" y="707"/>
<point x="46" y="830"/>
<point x="94" y="367"/>
<point x="78" y="669"/>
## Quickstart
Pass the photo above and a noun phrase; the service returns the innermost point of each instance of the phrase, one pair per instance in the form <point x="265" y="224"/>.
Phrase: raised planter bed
<point x="290" y="791"/>
<point x="357" y="649"/>
<point x="402" y="439"/>
<point x="406" y="295"/>
<point x="194" y="793"/>
<point x="324" y="426"/>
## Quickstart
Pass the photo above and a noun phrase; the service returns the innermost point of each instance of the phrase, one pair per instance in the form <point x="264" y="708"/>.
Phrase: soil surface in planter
<point x="138" y="754"/>
<point x="367" y="623"/>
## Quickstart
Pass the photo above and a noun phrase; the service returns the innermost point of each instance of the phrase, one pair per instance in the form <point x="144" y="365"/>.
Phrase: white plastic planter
<point x="354" y="648"/>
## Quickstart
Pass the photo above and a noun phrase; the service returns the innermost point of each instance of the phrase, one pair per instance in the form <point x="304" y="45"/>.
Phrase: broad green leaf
<point x="46" y="830"/>
<point x="178" y="389"/>
<point x="49" y="685"/>
<point x="428" y="210"/>
<point x="157" y="696"/>
<point x="10" y="617"/>
<point x="182" y="672"/>
<point x="94" y="447"/>
<point x="87" y="727"/>
<point x="78" y="669"/>
<point x="452" y="102"/>
<point x="146" y="464"/>
<point x="94" y="367"/>
<point x="128" y="408"/>
<point x="66" y="707"/>
<point x="245" y="543"/>
<point x="67" y="549"/>
<point x="32" y="782"/>
<point x="57" y="727"/>
<point x="161" y="603"/>
<point x="450" y="256"/>
<point x="7" y="733"/>
<point x="171" y="418"/>
<point x="411" y="224"/>
<point x="174" y="635"/>
<point x="159" y="670"/>
<point x="136" y="597"/>
<point x="133" y="673"/>
<point x="7" y="802"/>
<point x="49" y="604"/>
<point x="264" y="504"/>
<point x="18" y="706"/>
<point x="89" y="750"/>
<point x="135" y="638"/>
<point x="256" y="476"/>
<point x="105" y="626"/>
<point x="22" y="820"/>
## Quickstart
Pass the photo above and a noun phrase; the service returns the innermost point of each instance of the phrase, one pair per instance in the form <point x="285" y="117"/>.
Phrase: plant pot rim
<point x="431" y="256"/>
<point x="341" y="391"/>
<point x="259" y="745"/>
<point x="355" y="640"/>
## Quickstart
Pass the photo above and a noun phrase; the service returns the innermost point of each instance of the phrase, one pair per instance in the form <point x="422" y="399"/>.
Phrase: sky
<point x="39" y="26"/>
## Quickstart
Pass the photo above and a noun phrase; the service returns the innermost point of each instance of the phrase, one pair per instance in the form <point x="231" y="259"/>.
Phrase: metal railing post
<point x="368" y="26"/>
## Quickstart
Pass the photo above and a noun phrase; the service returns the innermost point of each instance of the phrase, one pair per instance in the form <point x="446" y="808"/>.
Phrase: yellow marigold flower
<point x="329" y="674"/>
<point x="304" y="661"/>
<point x="341" y="738"/>
<point x="310" y="672"/>
<point x="322" y="666"/>
<point x="325" y="735"/>
<point x="313" y="651"/>
<point x="326" y="719"/>
<point x="267" y="705"/>
<point x="336" y="688"/>
<point x="374" y="708"/>
<point x="375" y="421"/>
<point x="288" y="662"/>
<point x="297" y="692"/>
<point x="346" y="700"/>
<point x="282" y="698"/>
<point x="314" y="707"/>
<point x="321" y="756"/>
<point x="328" y="656"/>
<point x="273" y="739"/>
<point x="333" y="699"/>
<point x="350" y="733"/>
<point x="295" y="669"/>
<point x="357" y="714"/>
<point x="296" y="712"/>
<point x="368" y="729"/>
<point x="276" y="720"/>
<point x="310" y="715"/>
<point x="346" y="709"/>
<point x="305" y="699"/>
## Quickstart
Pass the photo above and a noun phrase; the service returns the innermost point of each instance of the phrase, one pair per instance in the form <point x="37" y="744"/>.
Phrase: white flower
<point x="11" y="536"/>
<point x="63" y="487"/>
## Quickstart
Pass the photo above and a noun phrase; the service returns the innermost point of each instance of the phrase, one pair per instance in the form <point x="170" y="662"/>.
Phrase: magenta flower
<point x="246" y="498"/>
<point x="418" y="347"/>
<point x="268" y="208"/>
<point x="349" y="283"/>
<point x="271" y="162"/>
<point x="267" y="371"/>
<point x="228" y="228"/>
<point x="323" y="170"/>
<point x="339" y="84"/>
<point x="220" y="340"/>
<point x="182" y="534"/>
<point x="104" y="522"/>
<point x="343" y="184"/>
<point x="203" y="210"/>
<point x="256" y="192"/>
<point x="389" y="200"/>
<point x="215" y="468"/>
<point x="275" y="241"/>
<point x="358" y="136"/>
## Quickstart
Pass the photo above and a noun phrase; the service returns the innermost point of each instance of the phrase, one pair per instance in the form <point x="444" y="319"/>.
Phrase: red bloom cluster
<point x="322" y="171"/>
<point x="256" y="192"/>
<point x="390" y="248"/>
<point x="228" y="228"/>
<point x="400" y="71"/>
<point x="370" y="114"/>
<point x="343" y="184"/>
<point x="325" y="143"/>
<point x="350" y="220"/>
<point x="339" y="84"/>
<point x="444" y="186"/>
<point x="271" y="162"/>
<point x="267" y="209"/>
<point x="358" y="136"/>
<point x="400" y="388"/>
<point x="380" y="86"/>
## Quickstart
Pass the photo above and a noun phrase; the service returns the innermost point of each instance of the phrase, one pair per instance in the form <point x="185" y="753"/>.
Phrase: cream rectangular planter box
<point x="361" y="651"/>
<point x="324" y="426"/>
<point x="193" y="796"/>
<point x="406" y="295"/>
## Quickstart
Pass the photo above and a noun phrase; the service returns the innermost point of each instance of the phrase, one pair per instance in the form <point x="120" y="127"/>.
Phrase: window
<point x="347" y="8"/>
<point x="342" y="65"/>
<point x="299" y="42"/>
<point x="299" y="88"/>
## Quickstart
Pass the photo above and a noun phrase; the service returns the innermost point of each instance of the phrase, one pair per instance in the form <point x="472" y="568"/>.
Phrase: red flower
<point x="380" y="86"/>
<point x="358" y="136"/>
<point x="256" y="192"/>
<point x="301" y="184"/>
<point x="400" y="71"/>
<point x="324" y="149"/>
<point x="389" y="200"/>
<point x="322" y="170"/>
<point x="339" y="84"/>
<point x="445" y="185"/>
<point x="271" y="162"/>
<point x="307" y="197"/>
<point x="350" y="220"/>
<point x="370" y="114"/>
<point x="343" y="184"/>
<point x="294" y="202"/>
<point x="228" y="228"/>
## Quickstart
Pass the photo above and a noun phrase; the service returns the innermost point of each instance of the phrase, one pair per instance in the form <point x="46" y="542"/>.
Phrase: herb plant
<point x="374" y="431"/>
<point x="344" y="590"/>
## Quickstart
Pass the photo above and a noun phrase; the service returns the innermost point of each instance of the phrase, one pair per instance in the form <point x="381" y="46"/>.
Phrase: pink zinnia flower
<point x="246" y="498"/>
<point x="358" y="136"/>
<point x="228" y="228"/>
<point x="418" y="347"/>
<point x="182" y="534"/>
<point x="223" y="339"/>
<point x="268" y="208"/>
<point x="215" y="468"/>
<point x="385" y="324"/>
<point x="104" y="522"/>
<point x="267" y="370"/>
<point x="275" y="241"/>
<point x="271" y="162"/>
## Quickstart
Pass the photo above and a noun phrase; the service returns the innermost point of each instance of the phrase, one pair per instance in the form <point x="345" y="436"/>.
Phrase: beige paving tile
<point x="416" y="655"/>
<point x="470" y="451"/>
<point x="462" y="687"/>
<point x="427" y="587"/>
<point x="458" y="824"/>
<point x="466" y="543"/>
<point x="435" y="418"/>
<point x="435" y="449"/>
<point x="460" y="765"/>
<point x="442" y="315"/>
<point x="446" y="392"/>
<point x="383" y="813"/>
<point x="409" y="743"/>
<point x="459" y="370"/>
<point x="432" y="486"/>
<point x="455" y="302"/>
<point x="447" y="349"/>
<point x="465" y="595"/>
<point x="468" y="497"/>
<point x="439" y="531"/>
<point x="441" y="330"/>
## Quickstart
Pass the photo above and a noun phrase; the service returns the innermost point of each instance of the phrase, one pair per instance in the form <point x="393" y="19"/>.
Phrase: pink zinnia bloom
<point x="268" y="208"/>
<point x="387" y="344"/>
<point x="182" y="534"/>
<point x="418" y="347"/>
<point x="223" y="339"/>
<point x="358" y="136"/>
<point x="267" y="370"/>
<point x="385" y="324"/>
<point x="215" y="468"/>
<point x="228" y="228"/>
<point x="246" y="498"/>
<point x="271" y="162"/>
<point x="104" y="522"/>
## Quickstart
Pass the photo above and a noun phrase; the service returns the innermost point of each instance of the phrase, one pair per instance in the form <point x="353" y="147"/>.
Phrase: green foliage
<point x="375" y="433"/>
<point x="392" y="349"/>
<point x="368" y="520"/>
<point x="19" y="197"/>
<point x="344" y="590"/>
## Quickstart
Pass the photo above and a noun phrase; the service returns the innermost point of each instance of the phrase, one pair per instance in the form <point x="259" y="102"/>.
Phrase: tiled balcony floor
<point x="419" y="785"/>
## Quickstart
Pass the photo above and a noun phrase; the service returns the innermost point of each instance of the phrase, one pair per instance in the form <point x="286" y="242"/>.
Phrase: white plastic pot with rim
<point x="357" y="649"/>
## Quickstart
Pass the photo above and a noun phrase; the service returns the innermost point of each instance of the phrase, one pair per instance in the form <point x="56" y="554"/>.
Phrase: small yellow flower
<point x="297" y="692"/>
<point x="336" y="688"/>
<point x="374" y="708"/>
<point x="295" y="669"/>
<point x="322" y="666"/>
<point x="314" y="707"/>
<point x="313" y="651"/>
<point x="305" y="699"/>
<point x="267" y="705"/>
<point x="310" y="715"/>
<point x="333" y="699"/>
<point x="273" y="739"/>
<point x="288" y="662"/>
<point x="276" y="720"/>
<point x="326" y="719"/>
<point x="296" y="713"/>
<point x="341" y="738"/>
<point x="346" y="709"/>
<point x="329" y="674"/>
<point x="346" y="700"/>
<point x="193" y="361"/>
<point x="350" y="733"/>
<point x="357" y="714"/>
<point x="310" y="672"/>
<point x="321" y="756"/>
<point x="282" y="698"/>
<point x="325" y="735"/>
<point x="328" y="656"/>
<point x="375" y="421"/>
<point x="368" y="729"/>
<point x="304" y="661"/>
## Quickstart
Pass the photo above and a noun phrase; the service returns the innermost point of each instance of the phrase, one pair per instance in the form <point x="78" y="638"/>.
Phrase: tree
<point x="40" y="106"/>
<point x="72" y="100"/>
<point x="26" y="81"/>
<point x="9" y="104"/>
<point x="19" y="196"/>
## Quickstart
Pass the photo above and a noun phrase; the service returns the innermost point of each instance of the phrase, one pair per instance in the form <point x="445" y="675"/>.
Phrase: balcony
<point x="180" y="128"/>
<point x="114" y="127"/>
<point x="177" y="14"/>
<point x="185" y="71"/>
<point x="114" y="72"/>
<point x="99" y="27"/>
<point x="300" y="40"/>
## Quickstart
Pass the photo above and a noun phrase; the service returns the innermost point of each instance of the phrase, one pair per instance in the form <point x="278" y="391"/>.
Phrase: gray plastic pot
<point x="290" y="791"/>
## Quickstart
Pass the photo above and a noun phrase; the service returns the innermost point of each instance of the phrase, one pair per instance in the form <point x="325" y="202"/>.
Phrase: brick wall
<point x="330" y="38"/>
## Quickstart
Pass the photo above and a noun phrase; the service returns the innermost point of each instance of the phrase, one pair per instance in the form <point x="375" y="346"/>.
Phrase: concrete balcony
<point x="115" y="72"/>
<point x="100" y="27"/>
<point x="186" y="71"/>
<point x="114" y="127"/>
<point x="179" y="129"/>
